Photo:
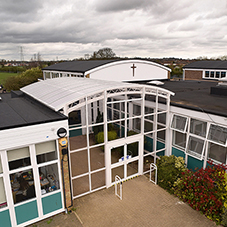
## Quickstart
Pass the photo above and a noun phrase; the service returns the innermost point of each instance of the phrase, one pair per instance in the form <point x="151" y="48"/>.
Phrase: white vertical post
<point x="153" y="167"/>
<point x="118" y="181"/>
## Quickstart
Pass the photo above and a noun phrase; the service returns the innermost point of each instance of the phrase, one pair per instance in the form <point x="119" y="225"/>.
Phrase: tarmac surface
<point x="143" y="204"/>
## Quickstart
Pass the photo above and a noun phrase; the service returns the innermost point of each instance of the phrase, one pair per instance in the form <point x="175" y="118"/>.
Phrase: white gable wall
<point x="122" y="71"/>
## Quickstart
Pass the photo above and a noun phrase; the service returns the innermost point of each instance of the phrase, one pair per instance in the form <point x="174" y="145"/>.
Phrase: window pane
<point x="132" y="150"/>
<point x="136" y="110"/>
<point x="218" y="134"/>
<point x="117" y="154"/>
<point x="18" y="158"/>
<point x="179" y="123"/>
<point x="162" y="118"/>
<point x="179" y="139"/>
<point x="132" y="168"/>
<point x="79" y="162"/>
<point x="46" y="152"/>
<point x="3" y="202"/>
<point x="148" y="126"/>
<point x="212" y="74"/>
<point x="97" y="158"/>
<point x="217" y="152"/>
<point x="207" y="74"/>
<point x="195" y="146"/>
<point x="49" y="179"/>
<point x="198" y="127"/>
<point x="223" y="74"/>
<point x="217" y="74"/>
<point x="22" y="184"/>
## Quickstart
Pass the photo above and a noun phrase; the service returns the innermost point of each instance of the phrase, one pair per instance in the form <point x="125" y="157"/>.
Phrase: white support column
<point x="155" y="127"/>
<point x="142" y="133"/>
<point x="8" y="191"/>
<point x="88" y="150"/>
<point x="106" y="149"/>
<point x="126" y="115"/>
<point x="168" y="135"/>
<point x="130" y="115"/>
<point x="83" y="118"/>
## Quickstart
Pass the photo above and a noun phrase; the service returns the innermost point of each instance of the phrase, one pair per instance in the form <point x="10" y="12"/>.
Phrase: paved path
<point x="144" y="204"/>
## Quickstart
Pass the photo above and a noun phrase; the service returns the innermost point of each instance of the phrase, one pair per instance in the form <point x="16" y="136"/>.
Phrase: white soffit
<point x="58" y="92"/>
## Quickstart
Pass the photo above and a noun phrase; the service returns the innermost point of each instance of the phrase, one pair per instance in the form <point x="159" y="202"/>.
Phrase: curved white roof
<point x="58" y="92"/>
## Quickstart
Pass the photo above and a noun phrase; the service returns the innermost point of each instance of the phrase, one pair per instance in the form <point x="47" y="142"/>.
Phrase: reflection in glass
<point x="117" y="154"/>
<point x="18" y="158"/>
<point x="49" y="179"/>
<point x="22" y="184"/>
<point x="3" y="202"/>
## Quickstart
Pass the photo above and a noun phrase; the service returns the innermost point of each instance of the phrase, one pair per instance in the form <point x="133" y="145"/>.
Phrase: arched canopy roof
<point x="59" y="92"/>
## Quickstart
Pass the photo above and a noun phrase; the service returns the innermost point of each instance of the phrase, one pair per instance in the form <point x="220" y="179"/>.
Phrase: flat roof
<point x="196" y="95"/>
<point x="17" y="110"/>
<point x="78" y="66"/>
<point x="207" y="65"/>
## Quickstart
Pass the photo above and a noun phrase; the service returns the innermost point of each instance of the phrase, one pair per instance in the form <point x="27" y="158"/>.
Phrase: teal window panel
<point x="26" y="212"/>
<point x="5" y="219"/>
<point x="178" y="153"/>
<point x="76" y="132"/>
<point x="161" y="153"/>
<point x="160" y="145"/>
<point x="52" y="203"/>
<point x="148" y="144"/>
<point x="194" y="163"/>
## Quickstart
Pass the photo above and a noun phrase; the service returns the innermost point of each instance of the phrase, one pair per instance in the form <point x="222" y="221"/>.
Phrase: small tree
<point x="105" y="53"/>
<point x="25" y="78"/>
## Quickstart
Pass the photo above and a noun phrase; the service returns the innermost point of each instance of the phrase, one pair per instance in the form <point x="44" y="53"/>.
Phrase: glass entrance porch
<point x="116" y="132"/>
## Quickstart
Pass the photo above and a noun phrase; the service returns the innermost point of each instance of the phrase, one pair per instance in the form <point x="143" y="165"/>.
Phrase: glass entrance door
<point x="124" y="159"/>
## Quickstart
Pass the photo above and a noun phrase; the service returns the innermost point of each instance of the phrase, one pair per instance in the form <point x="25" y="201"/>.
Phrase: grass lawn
<point x="3" y="76"/>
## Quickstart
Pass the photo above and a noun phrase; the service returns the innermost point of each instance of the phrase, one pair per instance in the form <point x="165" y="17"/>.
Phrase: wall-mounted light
<point x="62" y="132"/>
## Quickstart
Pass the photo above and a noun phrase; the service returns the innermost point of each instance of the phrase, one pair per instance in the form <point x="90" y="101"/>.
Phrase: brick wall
<point x="193" y="74"/>
<point x="66" y="176"/>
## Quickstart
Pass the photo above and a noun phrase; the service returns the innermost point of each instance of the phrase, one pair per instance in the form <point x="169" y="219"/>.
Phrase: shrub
<point x="169" y="170"/>
<point x="204" y="190"/>
<point x="112" y="135"/>
<point x="23" y="79"/>
<point x="224" y="218"/>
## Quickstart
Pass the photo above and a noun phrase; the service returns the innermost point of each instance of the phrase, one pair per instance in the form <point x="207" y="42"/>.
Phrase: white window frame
<point x="193" y="153"/>
<point x="176" y="129"/>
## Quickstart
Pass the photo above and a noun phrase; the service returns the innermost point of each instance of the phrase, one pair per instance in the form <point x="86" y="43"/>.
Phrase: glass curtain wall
<point x="199" y="139"/>
<point x="126" y="112"/>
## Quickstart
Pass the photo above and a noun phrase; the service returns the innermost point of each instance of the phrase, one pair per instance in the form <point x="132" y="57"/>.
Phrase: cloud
<point x="131" y="28"/>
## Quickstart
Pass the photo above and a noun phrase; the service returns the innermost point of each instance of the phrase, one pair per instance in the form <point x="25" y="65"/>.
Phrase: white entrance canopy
<point x="59" y="92"/>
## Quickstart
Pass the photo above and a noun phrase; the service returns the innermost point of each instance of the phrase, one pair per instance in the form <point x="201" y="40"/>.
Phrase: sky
<point x="70" y="29"/>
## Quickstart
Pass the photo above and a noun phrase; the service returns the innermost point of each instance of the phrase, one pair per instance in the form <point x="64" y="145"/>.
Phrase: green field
<point x="3" y="76"/>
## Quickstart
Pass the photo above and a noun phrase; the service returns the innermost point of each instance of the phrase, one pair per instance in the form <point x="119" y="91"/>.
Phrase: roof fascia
<point x="126" y="61"/>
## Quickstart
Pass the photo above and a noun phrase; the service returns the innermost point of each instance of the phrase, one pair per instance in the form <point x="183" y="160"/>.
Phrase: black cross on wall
<point x="133" y="69"/>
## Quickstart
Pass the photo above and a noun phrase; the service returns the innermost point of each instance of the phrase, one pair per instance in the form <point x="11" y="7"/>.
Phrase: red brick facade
<point x="193" y="75"/>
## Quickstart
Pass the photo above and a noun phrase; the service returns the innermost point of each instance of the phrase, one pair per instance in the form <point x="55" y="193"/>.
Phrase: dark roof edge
<point x="199" y="109"/>
<point x="30" y="124"/>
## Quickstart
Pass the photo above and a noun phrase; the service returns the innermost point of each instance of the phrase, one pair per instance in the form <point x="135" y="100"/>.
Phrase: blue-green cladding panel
<point x="5" y="219"/>
<point x="194" y="163"/>
<point x="26" y="212"/>
<point x="52" y="203"/>
<point x="178" y="153"/>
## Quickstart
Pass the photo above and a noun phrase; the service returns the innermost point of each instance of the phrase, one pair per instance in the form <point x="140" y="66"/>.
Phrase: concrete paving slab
<point x="143" y="204"/>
